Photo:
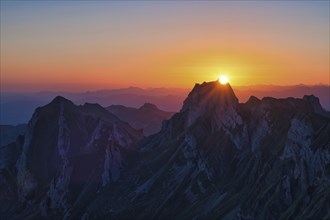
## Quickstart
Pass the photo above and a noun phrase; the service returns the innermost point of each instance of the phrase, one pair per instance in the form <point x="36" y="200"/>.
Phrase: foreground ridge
<point x="215" y="159"/>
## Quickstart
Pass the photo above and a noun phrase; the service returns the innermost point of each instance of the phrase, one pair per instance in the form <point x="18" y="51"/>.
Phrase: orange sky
<point x="96" y="45"/>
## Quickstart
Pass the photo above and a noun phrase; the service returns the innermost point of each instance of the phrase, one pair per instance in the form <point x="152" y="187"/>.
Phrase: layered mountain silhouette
<point x="148" y="117"/>
<point x="215" y="159"/>
<point x="17" y="108"/>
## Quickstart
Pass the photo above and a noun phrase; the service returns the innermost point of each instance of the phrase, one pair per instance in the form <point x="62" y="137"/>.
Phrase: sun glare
<point x="223" y="79"/>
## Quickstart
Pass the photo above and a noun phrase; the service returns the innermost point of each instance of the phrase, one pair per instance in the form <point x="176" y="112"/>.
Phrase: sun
<point x="223" y="79"/>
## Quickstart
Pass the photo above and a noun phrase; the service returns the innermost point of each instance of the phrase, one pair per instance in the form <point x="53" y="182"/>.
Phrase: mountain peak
<point x="209" y="95"/>
<point x="312" y="99"/>
<point x="148" y="105"/>
<point x="211" y="98"/>
<point x="315" y="103"/>
<point x="60" y="99"/>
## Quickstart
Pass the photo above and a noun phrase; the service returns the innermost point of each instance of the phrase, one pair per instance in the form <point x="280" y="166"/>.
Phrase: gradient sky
<point x="82" y="45"/>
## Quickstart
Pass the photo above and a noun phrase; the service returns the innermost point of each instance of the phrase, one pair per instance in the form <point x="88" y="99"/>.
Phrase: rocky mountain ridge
<point x="215" y="159"/>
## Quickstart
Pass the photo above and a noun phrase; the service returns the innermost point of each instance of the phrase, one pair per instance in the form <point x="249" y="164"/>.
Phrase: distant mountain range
<point x="215" y="159"/>
<point x="17" y="108"/>
<point x="148" y="117"/>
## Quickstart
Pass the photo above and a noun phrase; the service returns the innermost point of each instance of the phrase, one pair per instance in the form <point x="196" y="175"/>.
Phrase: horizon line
<point x="150" y="88"/>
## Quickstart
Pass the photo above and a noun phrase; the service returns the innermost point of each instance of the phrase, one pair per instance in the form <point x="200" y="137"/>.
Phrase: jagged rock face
<point x="271" y="162"/>
<point x="69" y="147"/>
<point x="215" y="159"/>
<point x="213" y="99"/>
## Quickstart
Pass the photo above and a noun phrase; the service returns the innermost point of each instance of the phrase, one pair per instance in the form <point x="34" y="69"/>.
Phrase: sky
<point x="89" y="45"/>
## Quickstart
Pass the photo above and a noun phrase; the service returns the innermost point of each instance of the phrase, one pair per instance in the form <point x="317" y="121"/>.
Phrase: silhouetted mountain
<point x="215" y="159"/>
<point x="148" y="117"/>
<point x="218" y="159"/>
<point x="68" y="153"/>
<point x="296" y="91"/>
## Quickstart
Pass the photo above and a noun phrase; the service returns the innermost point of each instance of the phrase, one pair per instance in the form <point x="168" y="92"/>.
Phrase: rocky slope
<point x="68" y="152"/>
<point x="218" y="159"/>
<point x="148" y="117"/>
<point x="215" y="159"/>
